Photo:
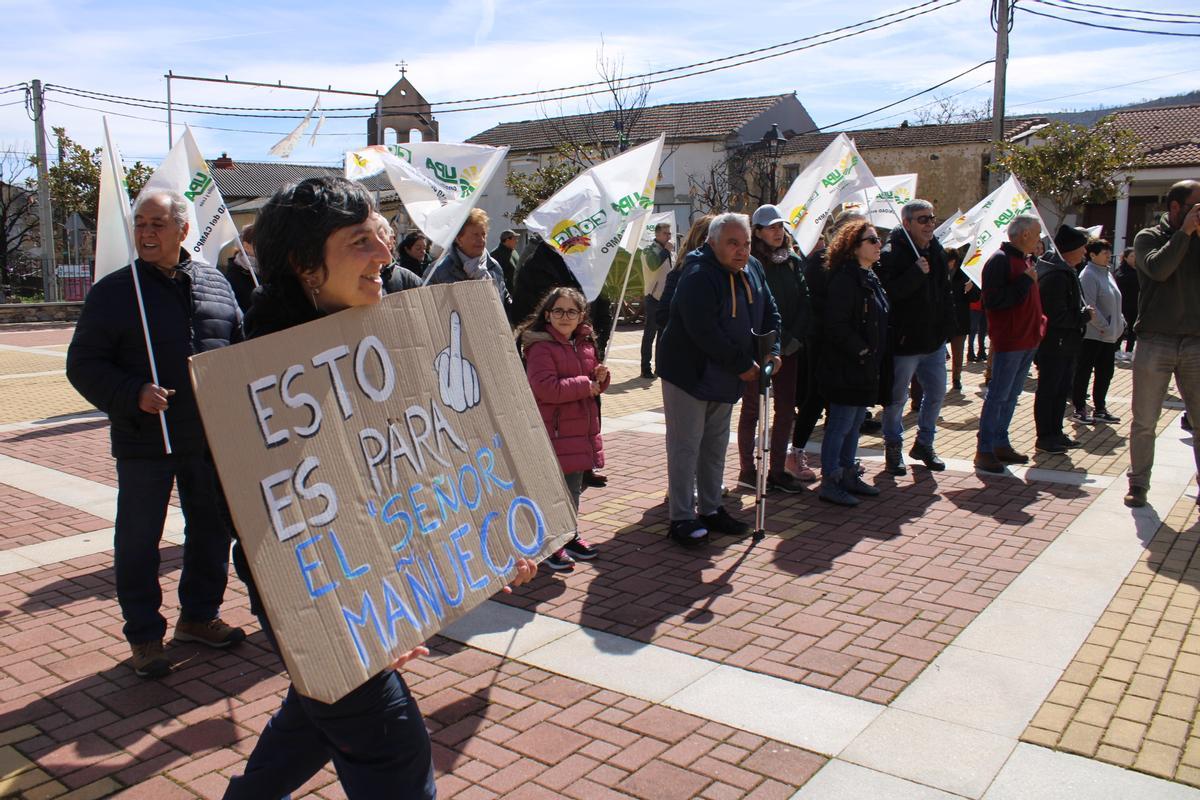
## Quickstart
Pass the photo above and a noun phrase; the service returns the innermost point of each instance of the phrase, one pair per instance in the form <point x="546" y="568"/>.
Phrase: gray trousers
<point x="1155" y="360"/>
<point x="697" y="438"/>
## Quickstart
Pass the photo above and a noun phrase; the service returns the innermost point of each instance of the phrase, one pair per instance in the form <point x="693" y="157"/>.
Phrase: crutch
<point x="763" y="342"/>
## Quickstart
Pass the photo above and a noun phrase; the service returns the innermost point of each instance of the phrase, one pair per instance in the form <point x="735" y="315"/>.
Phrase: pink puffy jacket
<point x="560" y="374"/>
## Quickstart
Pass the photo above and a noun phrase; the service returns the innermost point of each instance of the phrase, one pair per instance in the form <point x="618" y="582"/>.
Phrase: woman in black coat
<point x="320" y="252"/>
<point x="964" y="293"/>
<point x="1127" y="282"/>
<point x="853" y="344"/>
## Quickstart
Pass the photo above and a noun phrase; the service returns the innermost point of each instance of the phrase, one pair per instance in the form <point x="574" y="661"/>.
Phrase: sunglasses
<point x="871" y="239"/>
<point x="925" y="219"/>
<point x="569" y="313"/>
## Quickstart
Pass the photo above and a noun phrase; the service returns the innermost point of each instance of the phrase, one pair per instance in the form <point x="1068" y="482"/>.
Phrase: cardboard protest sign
<point x="385" y="466"/>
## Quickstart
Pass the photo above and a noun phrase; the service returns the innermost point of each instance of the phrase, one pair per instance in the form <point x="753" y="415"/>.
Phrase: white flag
<point x="283" y="148"/>
<point x="832" y="178"/>
<point x="438" y="182"/>
<point x="585" y="221"/>
<point x="210" y="225"/>
<point x="882" y="203"/>
<point x="112" y="235"/>
<point x="946" y="225"/>
<point x="991" y="224"/>
<point x="651" y="222"/>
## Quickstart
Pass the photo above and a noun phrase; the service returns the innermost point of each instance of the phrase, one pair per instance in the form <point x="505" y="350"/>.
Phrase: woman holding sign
<point x="319" y="252"/>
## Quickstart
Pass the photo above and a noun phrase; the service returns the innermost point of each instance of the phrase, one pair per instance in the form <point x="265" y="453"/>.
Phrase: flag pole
<point x="137" y="284"/>
<point x="617" y="314"/>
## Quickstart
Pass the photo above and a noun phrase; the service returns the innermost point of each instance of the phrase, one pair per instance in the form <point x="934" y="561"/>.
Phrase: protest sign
<point x="586" y="220"/>
<point x="438" y="182"/>
<point x="385" y="466"/>
<point x="833" y="177"/>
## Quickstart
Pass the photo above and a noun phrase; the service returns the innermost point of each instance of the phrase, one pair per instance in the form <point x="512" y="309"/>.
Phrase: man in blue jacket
<point x="190" y="308"/>
<point x="705" y="355"/>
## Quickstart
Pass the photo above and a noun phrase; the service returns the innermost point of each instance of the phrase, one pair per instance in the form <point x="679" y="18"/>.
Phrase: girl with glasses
<point x="566" y="376"/>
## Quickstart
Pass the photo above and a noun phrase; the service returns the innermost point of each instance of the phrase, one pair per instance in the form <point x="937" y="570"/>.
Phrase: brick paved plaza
<point x="1002" y="637"/>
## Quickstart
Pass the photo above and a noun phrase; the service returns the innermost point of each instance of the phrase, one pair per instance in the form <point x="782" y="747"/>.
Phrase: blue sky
<point x="472" y="48"/>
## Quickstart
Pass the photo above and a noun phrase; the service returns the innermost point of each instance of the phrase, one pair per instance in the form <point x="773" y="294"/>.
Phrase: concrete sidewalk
<point x="1017" y="636"/>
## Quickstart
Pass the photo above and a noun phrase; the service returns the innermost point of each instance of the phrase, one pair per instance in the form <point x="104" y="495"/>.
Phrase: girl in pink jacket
<point x="566" y="377"/>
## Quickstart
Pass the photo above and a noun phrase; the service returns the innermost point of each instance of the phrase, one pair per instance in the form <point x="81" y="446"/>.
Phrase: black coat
<point x="853" y="346"/>
<point x="1127" y="282"/>
<point x="241" y="282"/>
<point x="397" y="278"/>
<point x="107" y="361"/>
<point x="964" y="293"/>
<point x="542" y="270"/>
<point x="922" y="306"/>
<point x="790" y="292"/>
<point x="1062" y="303"/>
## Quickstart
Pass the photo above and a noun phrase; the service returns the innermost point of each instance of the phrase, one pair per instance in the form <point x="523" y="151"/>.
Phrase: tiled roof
<point x="1171" y="134"/>
<point x="913" y="135"/>
<point x="249" y="179"/>
<point x="707" y="119"/>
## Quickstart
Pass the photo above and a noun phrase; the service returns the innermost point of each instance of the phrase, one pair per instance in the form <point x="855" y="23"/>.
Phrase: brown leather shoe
<point x="1007" y="455"/>
<point x="988" y="462"/>
<point x="149" y="660"/>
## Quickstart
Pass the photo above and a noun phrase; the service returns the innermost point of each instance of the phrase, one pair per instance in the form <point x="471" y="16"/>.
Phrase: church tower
<point x="402" y="110"/>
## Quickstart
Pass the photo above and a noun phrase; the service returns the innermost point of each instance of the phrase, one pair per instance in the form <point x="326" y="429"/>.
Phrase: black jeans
<point x="810" y="404"/>
<point x="1055" y="372"/>
<point x="1096" y="356"/>
<point x="375" y="736"/>
<point x="650" y="333"/>
<point x="143" y="491"/>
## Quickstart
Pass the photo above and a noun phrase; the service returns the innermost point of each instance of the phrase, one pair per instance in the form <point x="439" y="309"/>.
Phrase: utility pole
<point x="1000" y="15"/>
<point x="170" y="126"/>
<point x="49" y="284"/>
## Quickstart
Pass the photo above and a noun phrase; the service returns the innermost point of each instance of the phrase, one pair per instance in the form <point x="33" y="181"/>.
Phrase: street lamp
<point x="774" y="141"/>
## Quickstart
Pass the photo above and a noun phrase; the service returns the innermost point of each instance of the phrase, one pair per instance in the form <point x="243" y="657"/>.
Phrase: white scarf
<point x="476" y="268"/>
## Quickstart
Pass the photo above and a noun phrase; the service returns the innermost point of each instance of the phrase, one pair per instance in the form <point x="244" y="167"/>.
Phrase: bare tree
<point x="947" y="110"/>
<point x="18" y="216"/>
<point x="608" y="126"/>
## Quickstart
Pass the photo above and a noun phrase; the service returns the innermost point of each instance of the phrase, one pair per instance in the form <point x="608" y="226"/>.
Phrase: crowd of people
<point x="864" y="320"/>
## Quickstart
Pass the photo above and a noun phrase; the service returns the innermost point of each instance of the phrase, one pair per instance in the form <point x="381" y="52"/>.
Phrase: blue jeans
<point x="143" y="491"/>
<point x="839" y="445"/>
<point x="375" y="736"/>
<point x="930" y="370"/>
<point x="1009" y="370"/>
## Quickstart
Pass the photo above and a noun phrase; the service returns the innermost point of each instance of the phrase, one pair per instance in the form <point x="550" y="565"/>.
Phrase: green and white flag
<point x="882" y="202"/>
<point x="438" y="182"/>
<point x="990" y="219"/>
<point x="834" y="177"/>
<point x="210" y="225"/>
<point x="586" y="220"/>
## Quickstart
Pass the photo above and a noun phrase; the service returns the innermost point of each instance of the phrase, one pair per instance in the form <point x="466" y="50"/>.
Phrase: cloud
<point x="487" y="16"/>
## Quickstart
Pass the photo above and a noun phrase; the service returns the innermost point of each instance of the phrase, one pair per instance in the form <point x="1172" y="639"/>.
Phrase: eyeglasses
<point x="569" y="313"/>
<point x="925" y="219"/>
<point x="871" y="239"/>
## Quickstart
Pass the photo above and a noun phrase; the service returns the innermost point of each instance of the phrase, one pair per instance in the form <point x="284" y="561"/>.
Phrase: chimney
<point x="224" y="162"/>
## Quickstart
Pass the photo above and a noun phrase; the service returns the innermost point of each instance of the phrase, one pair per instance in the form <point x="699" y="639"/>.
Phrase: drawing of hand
<point x="457" y="378"/>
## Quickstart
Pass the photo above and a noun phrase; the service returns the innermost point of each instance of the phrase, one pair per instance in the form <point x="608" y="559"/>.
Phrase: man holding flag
<point x="914" y="272"/>
<point x="189" y="308"/>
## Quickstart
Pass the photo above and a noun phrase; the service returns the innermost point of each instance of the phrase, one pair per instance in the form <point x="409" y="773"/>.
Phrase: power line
<point x="1142" y="11"/>
<point x="903" y="99"/>
<point x="1105" y="88"/>
<point x="902" y="15"/>
<point x="931" y="102"/>
<point x="1139" y="16"/>
<point x="1028" y="10"/>
<point x="198" y="127"/>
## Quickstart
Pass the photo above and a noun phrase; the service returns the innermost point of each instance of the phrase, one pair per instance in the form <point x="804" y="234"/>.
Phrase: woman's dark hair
<point x="411" y="238"/>
<point x="1126" y="253"/>
<point x="291" y="229"/>
<point x="845" y="242"/>
<point x="1097" y="246"/>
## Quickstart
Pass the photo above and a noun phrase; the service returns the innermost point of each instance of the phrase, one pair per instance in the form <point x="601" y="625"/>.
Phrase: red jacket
<point x="1014" y="306"/>
<point x="560" y="374"/>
